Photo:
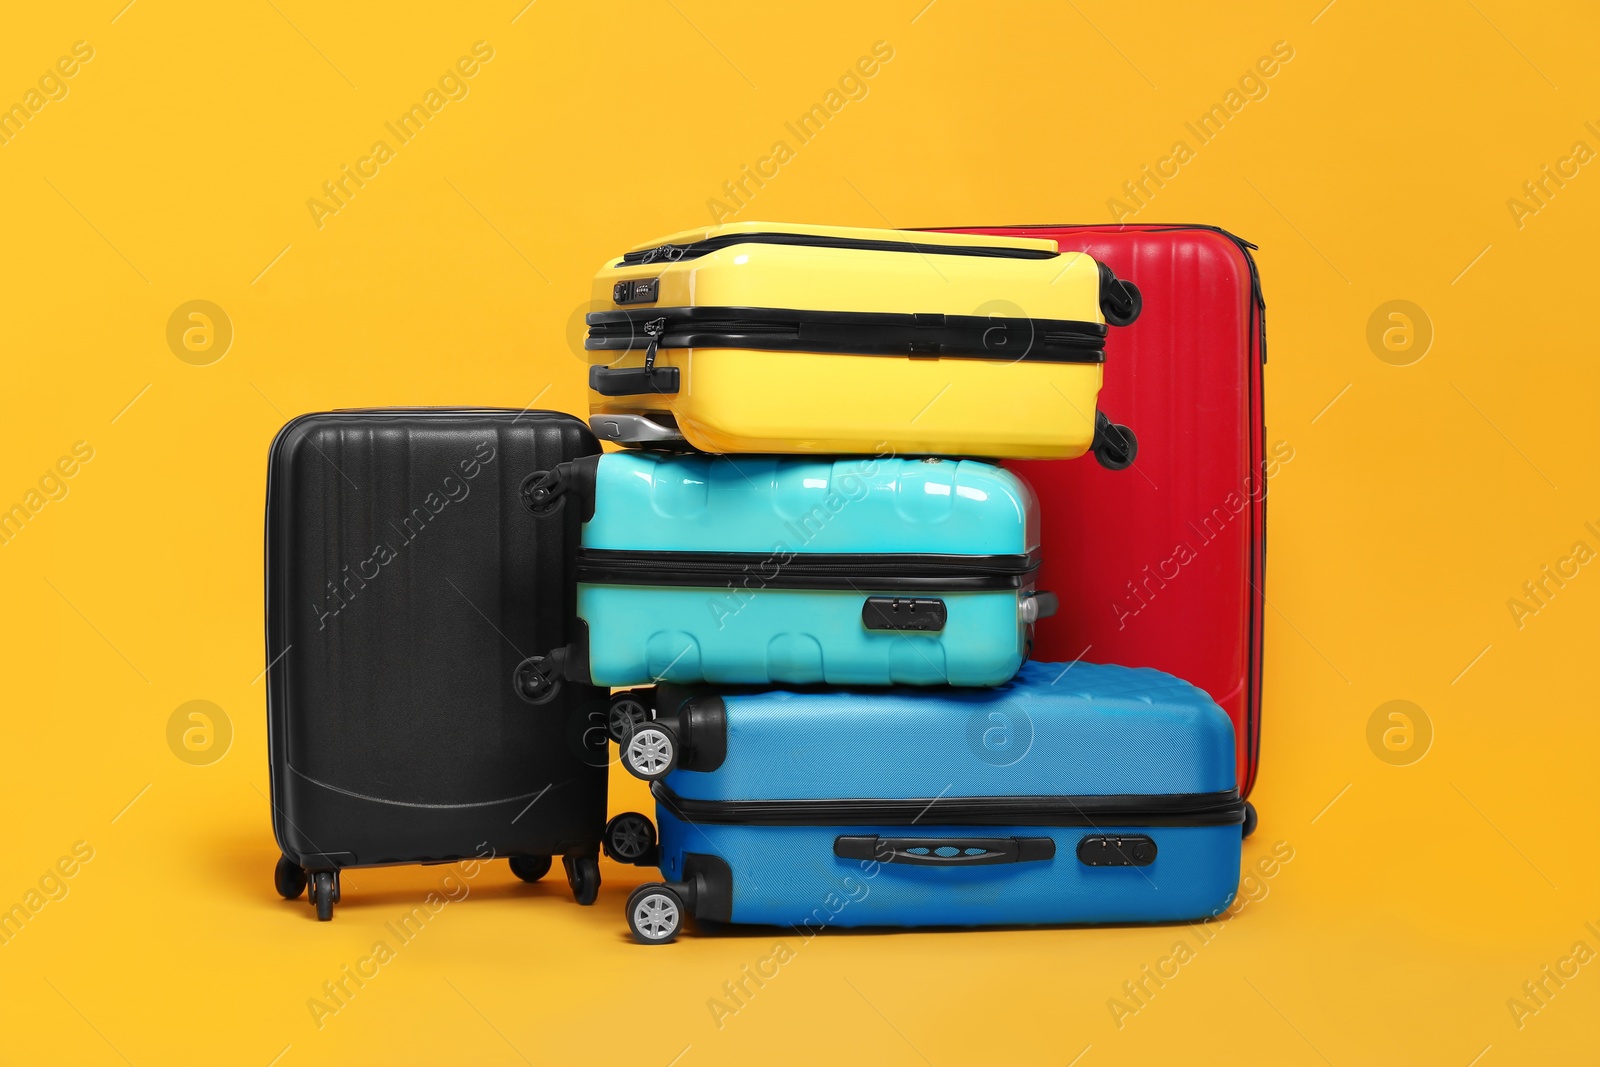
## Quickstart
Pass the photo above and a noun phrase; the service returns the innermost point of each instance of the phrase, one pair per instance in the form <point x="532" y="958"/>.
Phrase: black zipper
<point x="854" y="571"/>
<point x="1127" y="809"/>
<point x="671" y="253"/>
<point x="1011" y="339"/>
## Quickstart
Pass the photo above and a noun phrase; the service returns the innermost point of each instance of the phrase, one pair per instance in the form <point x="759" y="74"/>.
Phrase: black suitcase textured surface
<point x="405" y="581"/>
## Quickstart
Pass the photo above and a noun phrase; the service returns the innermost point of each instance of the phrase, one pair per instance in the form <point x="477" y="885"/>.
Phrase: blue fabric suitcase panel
<point x="758" y="570"/>
<point x="1059" y="755"/>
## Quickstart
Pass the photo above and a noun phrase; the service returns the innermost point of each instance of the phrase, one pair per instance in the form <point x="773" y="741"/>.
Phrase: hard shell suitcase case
<point x="764" y="337"/>
<point x="793" y="570"/>
<point x="1074" y="794"/>
<point x="1177" y="581"/>
<point x="403" y="579"/>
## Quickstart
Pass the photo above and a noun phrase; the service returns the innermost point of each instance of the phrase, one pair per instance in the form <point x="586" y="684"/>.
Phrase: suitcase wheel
<point x="289" y="878"/>
<point x="542" y="492"/>
<point x="535" y="680"/>
<point x="627" y="711"/>
<point x="530" y="868"/>
<point x="583" y="875"/>
<point x="650" y="751"/>
<point x="630" y="838"/>
<point x="1121" y="302"/>
<point x="655" y="914"/>
<point x="1250" y="818"/>
<point x="324" y="893"/>
<point x="1115" y="446"/>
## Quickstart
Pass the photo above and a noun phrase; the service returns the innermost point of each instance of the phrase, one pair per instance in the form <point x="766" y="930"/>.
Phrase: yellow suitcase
<point x="768" y="337"/>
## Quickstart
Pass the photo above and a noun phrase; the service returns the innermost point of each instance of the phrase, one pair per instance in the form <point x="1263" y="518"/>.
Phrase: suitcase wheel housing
<point x="583" y="875"/>
<point x="537" y="679"/>
<point x="1114" y="445"/>
<point x="541" y="492"/>
<point x="324" y="893"/>
<point x="1120" y="301"/>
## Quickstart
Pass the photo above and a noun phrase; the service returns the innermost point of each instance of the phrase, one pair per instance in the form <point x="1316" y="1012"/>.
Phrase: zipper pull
<point x="670" y="253"/>
<point x="653" y="330"/>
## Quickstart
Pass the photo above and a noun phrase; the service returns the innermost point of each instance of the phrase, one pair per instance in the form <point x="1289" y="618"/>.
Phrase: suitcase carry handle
<point x="632" y="381"/>
<point x="945" y="851"/>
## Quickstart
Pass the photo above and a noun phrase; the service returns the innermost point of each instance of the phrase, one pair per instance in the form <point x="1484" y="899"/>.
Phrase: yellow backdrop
<point x="403" y="204"/>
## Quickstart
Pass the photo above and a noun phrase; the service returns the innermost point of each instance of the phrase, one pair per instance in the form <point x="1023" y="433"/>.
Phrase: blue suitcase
<point x="768" y="570"/>
<point x="1073" y="794"/>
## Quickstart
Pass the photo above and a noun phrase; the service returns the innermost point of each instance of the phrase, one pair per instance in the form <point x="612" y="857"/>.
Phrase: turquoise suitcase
<point x="793" y="570"/>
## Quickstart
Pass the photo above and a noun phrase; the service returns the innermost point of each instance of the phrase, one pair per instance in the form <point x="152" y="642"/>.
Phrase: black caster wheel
<point x="650" y="752"/>
<point x="630" y="838"/>
<point x="289" y="878"/>
<point x="541" y="493"/>
<point x="324" y="893"/>
<point x="1115" y="446"/>
<point x="626" y="712"/>
<point x="655" y="914"/>
<point x="535" y="681"/>
<point x="1121" y="303"/>
<point x="530" y="868"/>
<point x="583" y="875"/>
<point x="1249" y="818"/>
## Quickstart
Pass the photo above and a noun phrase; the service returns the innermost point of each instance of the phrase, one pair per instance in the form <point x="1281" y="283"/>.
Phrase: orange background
<point x="1378" y="164"/>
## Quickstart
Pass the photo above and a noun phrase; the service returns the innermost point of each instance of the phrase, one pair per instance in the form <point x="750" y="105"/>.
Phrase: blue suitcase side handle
<point x="945" y="851"/>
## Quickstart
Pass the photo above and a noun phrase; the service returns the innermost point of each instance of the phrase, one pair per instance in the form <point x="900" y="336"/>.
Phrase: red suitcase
<point x="1171" y="574"/>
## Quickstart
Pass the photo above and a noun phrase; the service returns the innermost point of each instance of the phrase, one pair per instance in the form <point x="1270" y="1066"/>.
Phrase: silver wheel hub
<point x="649" y="751"/>
<point x="656" y="916"/>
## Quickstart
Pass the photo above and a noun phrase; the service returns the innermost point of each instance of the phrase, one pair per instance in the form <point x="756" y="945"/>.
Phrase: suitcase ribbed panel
<point x="394" y="731"/>
<point x="1188" y="377"/>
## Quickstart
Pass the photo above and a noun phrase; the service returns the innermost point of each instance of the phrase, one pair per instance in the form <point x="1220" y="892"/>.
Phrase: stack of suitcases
<point x="812" y="590"/>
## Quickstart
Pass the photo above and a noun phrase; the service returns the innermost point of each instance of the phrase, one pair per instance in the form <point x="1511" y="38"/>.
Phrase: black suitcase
<point x="404" y="582"/>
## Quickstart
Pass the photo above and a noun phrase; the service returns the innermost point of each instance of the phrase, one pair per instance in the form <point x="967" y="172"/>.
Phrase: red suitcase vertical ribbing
<point x="1162" y="565"/>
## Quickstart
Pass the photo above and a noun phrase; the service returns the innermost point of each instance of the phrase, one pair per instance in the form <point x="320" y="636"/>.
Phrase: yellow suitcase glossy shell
<point x="749" y="400"/>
